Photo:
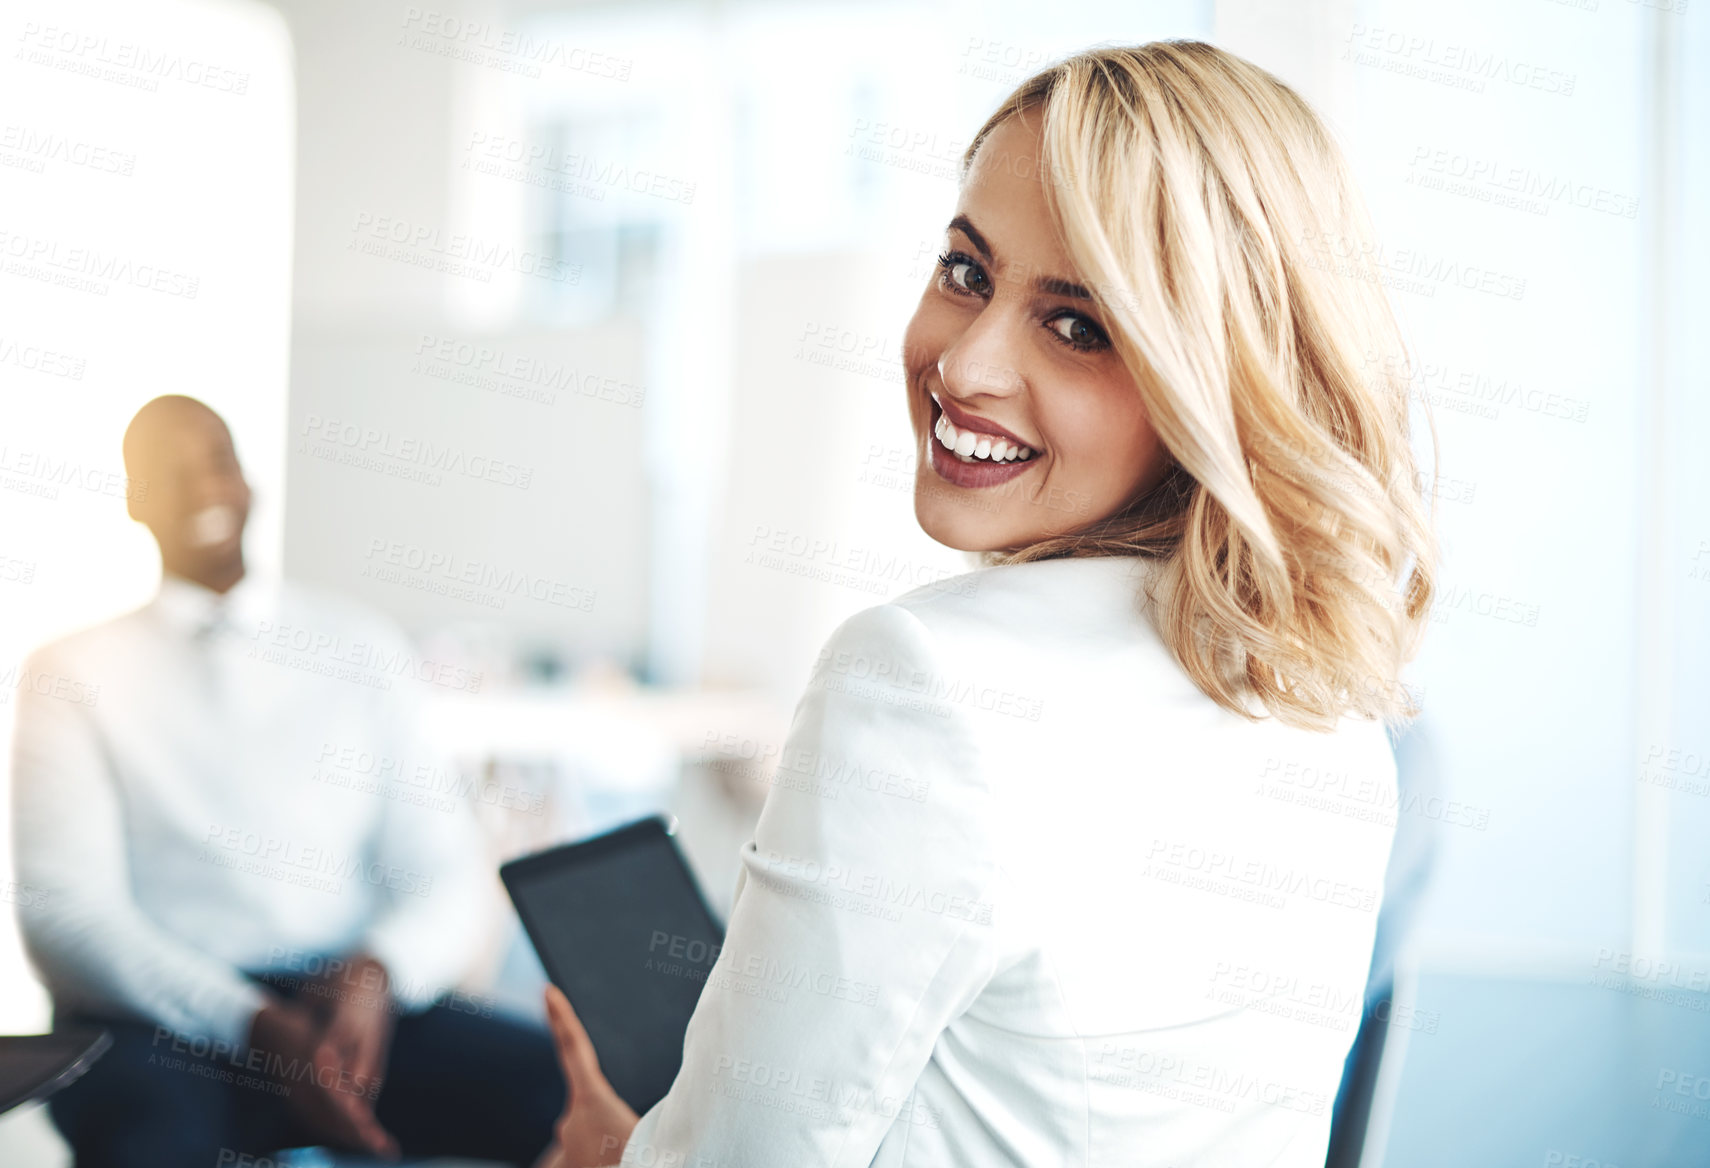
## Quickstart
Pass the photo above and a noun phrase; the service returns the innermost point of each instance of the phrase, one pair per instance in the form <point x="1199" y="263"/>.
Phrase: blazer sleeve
<point x="862" y="923"/>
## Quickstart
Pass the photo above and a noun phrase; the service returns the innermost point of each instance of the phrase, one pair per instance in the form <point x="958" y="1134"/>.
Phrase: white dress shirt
<point x="1021" y="894"/>
<point x="216" y="783"/>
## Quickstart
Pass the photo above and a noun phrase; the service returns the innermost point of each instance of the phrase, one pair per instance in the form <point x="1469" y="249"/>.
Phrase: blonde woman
<point x="1084" y="863"/>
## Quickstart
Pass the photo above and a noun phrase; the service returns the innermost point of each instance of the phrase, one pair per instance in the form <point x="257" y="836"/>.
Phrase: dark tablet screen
<point x="622" y="929"/>
<point x="34" y="1066"/>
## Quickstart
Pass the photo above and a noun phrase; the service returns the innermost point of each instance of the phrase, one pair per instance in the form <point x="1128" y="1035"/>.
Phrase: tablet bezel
<point x="516" y="873"/>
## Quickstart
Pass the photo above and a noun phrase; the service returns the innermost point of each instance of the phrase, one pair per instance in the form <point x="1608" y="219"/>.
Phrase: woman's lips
<point x="980" y="473"/>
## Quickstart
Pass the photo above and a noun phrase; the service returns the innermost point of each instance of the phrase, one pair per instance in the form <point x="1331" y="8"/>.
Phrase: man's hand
<point x="359" y="1022"/>
<point x="596" y="1123"/>
<point x="322" y="1090"/>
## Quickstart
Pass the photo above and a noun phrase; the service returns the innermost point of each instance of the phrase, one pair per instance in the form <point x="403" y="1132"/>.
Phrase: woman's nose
<point x="982" y="360"/>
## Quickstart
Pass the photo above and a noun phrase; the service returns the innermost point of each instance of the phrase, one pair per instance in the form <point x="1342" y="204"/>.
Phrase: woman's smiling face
<point x="1007" y="360"/>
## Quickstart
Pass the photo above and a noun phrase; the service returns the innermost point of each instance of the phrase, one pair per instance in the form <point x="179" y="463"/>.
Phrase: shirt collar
<point x="191" y="608"/>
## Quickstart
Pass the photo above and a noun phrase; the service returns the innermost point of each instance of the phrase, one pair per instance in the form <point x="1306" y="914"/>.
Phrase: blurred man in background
<point x="249" y="867"/>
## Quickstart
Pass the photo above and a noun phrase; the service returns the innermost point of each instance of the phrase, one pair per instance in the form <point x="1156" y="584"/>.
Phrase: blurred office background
<point x="605" y="300"/>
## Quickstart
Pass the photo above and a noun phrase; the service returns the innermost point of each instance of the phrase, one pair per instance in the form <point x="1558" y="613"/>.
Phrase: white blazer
<point x="1022" y="894"/>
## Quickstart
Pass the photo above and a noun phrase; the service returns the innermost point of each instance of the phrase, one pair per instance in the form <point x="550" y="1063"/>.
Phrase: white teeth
<point x="968" y="446"/>
<point x="213" y="525"/>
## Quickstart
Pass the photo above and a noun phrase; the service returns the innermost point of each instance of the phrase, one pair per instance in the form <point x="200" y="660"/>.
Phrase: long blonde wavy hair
<point x="1207" y="208"/>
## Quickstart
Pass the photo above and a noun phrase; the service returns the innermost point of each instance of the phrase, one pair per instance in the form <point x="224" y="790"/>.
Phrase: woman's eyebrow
<point x="961" y="223"/>
<point x="1050" y="285"/>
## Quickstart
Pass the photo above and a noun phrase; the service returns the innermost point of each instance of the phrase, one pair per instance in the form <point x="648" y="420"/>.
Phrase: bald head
<point x="196" y="501"/>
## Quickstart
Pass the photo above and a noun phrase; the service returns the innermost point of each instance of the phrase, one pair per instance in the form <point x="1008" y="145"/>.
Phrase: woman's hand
<point x="596" y="1123"/>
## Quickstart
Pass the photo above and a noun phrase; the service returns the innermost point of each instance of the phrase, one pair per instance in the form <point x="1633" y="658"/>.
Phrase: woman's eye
<point x="1078" y="332"/>
<point x="963" y="274"/>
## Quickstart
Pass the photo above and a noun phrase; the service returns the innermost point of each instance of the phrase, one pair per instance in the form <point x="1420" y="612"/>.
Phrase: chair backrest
<point x="1352" y="1113"/>
<point x="1418" y="780"/>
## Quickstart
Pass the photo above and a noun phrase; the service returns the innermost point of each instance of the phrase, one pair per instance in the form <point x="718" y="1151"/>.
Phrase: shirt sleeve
<point x="862" y="924"/>
<point x="432" y="856"/>
<point x="93" y="946"/>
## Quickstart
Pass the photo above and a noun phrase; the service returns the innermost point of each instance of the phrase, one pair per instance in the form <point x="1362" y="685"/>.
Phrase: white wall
<point x="431" y="420"/>
<point x="146" y="242"/>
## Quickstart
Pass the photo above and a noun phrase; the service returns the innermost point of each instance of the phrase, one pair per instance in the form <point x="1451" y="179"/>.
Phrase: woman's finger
<point x="575" y="1051"/>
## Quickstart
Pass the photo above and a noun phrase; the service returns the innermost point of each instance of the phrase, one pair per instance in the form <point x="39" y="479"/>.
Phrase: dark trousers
<point x="456" y="1084"/>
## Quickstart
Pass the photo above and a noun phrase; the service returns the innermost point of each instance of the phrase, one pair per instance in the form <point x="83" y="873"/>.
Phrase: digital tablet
<point x="621" y="927"/>
<point x="34" y="1066"/>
